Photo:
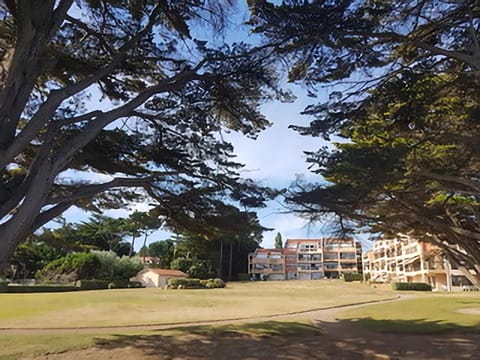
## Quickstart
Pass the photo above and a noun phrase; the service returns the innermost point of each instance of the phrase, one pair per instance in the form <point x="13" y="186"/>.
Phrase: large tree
<point x="122" y="89"/>
<point x="405" y="106"/>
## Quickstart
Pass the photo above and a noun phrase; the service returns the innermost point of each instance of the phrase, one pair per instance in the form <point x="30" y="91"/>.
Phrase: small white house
<point x="157" y="277"/>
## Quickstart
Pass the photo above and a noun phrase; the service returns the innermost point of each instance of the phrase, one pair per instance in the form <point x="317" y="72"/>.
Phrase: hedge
<point x="192" y="283"/>
<point x="107" y="284"/>
<point x="21" y="289"/>
<point x="414" y="286"/>
<point x="348" y="277"/>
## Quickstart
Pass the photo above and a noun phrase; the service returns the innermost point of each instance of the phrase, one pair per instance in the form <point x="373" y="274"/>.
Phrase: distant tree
<point x="278" y="241"/>
<point x="31" y="256"/>
<point x="141" y="223"/>
<point x="163" y="250"/>
<point x="166" y="94"/>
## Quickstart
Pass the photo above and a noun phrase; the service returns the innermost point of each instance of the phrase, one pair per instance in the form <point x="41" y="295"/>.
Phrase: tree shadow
<point x="295" y="340"/>
<point x="414" y="326"/>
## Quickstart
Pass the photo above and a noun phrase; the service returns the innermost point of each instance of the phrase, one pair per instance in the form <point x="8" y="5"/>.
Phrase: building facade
<point x="405" y="259"/>
<point x="307" y="259"/>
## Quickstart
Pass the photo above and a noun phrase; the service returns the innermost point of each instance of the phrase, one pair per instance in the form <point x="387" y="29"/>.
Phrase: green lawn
<point x="156" y="306"/>
<point x="432" y="313"/>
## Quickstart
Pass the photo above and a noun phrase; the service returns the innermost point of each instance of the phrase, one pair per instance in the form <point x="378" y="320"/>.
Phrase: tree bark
<point x="230" y="261"/>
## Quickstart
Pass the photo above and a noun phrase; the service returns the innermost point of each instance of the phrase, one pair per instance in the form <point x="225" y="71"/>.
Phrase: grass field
<point x="427" y="313"/>
<point x="432" y="313"/>
<point x="156" y="306"/>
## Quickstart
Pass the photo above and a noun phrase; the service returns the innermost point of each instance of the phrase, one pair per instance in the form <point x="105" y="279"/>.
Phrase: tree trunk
<point x="230" y="262"/>
<point x="132" y="245"/>
<point x="220" y="274"/>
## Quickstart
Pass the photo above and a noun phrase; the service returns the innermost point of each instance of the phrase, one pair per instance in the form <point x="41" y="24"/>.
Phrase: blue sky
<point x="274" y="159"/>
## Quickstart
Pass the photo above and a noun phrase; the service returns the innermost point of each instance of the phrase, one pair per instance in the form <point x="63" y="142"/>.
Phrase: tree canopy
<point x="125" y="90"/>
<point x="404" y="113"/>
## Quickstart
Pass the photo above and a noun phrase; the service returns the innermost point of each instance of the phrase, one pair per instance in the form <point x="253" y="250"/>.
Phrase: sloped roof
<point x="166" y="272"/>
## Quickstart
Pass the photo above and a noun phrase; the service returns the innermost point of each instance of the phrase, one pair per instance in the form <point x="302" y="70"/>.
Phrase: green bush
<point x="111" y="267"/>
<point x="414" y="286"/>
<point x="92" y="284"/>
<point x="213" y="283"/>
<point x="99" y="265"/>
<point x="185" y="283"/>
<point x="348" y="277"/>
<point x="69" y="268"/>
<point x="20" y="289"/>
<point x="107" y="284"/>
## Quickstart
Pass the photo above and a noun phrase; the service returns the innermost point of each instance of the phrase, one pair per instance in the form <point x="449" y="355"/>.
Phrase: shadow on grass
<point x="296" y="340"/>
<point x="417" y="326"/>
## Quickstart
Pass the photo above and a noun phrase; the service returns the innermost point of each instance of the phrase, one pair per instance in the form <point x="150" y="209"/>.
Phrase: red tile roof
<point x="166" y="272"/>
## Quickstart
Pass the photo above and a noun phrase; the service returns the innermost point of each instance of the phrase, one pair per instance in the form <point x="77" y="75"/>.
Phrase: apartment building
<point x="404" y="259"/>
<point x="307" y="259"/>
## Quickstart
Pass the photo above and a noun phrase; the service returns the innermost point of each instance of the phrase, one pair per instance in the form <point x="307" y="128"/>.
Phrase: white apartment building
<point x="405" y="259"/>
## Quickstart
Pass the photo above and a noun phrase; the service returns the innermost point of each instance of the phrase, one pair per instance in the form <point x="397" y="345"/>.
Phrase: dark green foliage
<point x="22" y="289"/>
<point x="112" y="267"/>
<point x="184" y="283"/>
<point x="31" y="256"/>
<point x="348" y="277"/>
<point x="200" y="270"/>
<point x="278" y="241"/>
<point x="107" y="284"/>
<point x="182" y="264"/>
<point x="85" y="266"/>
<point x="413" y="286"/>
<point x="92" y="284"/>
<point x="163" y="250"/>
<point x="191" y="283"/>
<point x="70" y="268"/>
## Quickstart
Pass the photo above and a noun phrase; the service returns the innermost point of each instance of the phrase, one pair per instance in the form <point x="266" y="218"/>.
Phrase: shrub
<point x="99" y="265"/>
<point x="219" y="283"/>
<point x="69" y="268"/>
<point x="213" y="283"/>
<point x="348" y="277"/>
<point x="111" y="267"/>
<point x="92" y="284"/>
<point x="414" y="286"/>
<point x="185" y="283"/>
<point x="107" y="284"/>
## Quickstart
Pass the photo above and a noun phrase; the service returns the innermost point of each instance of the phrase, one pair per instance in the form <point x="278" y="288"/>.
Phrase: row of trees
<point x="224" y="254"/>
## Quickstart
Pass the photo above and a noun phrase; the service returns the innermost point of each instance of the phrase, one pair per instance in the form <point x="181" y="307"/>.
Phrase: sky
<point x="274" y="159"/>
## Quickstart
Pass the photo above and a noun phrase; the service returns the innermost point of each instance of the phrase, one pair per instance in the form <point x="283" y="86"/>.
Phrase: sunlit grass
<point x="156" y="306"/>
<point x="432" y="313"/>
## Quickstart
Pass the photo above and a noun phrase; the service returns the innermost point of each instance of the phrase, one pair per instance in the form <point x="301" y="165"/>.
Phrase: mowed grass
<point x="23" y="346"/>
<point x="156" y="306"/>
<point x="432" y="313"/>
